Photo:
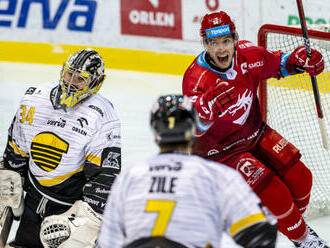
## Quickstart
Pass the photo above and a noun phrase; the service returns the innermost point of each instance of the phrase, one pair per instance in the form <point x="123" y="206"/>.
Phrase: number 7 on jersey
<point x="165" y="211"/>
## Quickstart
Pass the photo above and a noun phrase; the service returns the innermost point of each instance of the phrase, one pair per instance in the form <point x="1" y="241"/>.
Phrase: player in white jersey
<point x="65" y="142"/>
<point x="173" y="199"/>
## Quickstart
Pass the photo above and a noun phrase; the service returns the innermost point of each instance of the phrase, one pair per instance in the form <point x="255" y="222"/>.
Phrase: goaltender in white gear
<point x="178" y="200"/>
<point x="65" y="142"/>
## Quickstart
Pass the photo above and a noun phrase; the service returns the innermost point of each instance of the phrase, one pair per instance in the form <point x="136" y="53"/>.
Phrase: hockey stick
<point x="313" y="78"/>
<point x="6" y="222"/>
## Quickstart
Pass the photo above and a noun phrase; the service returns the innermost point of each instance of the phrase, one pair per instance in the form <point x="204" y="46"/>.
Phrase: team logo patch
<point x="111" y="158"/>
<point x="47" y="150"/>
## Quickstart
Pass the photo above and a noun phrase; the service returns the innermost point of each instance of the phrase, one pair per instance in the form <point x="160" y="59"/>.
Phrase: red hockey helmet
<point x="216" y="24"/>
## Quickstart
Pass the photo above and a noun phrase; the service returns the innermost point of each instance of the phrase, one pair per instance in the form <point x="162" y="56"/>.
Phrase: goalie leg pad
<point x="28" y="230"/>
<point x="276" y="152"/>
<point x="299" y="181"/>
<point x="11" y="192"/>
<point x="277" y="197"/>
<point x="255" y="173"/>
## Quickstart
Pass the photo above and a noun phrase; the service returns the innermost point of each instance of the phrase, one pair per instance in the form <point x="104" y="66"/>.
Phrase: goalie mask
<point x="173" y="120"/>
<point x="81" y="77"/>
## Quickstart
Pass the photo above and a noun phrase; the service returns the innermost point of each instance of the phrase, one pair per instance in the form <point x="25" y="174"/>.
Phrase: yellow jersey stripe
<point x="58" y="157"/>
<point x="46" y="168"/>
<point x="44" y="163"/>
<point x="94" y="159"/>
<point x="35" y="157"/>
<point x="45" y="148"/>
<point x="59" y="179"/>
<point x="17" y="150"/>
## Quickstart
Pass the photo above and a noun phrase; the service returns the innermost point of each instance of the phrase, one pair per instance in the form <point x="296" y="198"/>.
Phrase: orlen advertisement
<point x="156" y="18"/>
<point x="156" y="25"/>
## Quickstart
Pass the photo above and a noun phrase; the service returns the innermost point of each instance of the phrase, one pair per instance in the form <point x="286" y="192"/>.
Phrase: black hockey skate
<point x="312" y="241"/>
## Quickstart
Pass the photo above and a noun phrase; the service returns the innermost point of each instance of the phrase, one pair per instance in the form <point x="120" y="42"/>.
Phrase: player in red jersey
<point x="223" y="82"/>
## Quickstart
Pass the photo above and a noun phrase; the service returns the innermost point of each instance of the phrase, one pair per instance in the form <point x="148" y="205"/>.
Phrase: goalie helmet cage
<point x="288" y="106"/>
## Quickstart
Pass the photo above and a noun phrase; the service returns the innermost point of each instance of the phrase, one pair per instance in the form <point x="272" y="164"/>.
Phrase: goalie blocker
<point x="11" y="201"/>
<point x="11" y="192"/>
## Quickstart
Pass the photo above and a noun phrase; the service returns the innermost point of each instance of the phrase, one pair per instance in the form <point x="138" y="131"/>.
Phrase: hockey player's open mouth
<point x="223" y="59"/>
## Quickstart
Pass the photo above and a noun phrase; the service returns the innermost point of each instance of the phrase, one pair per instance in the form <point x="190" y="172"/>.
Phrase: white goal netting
<point x="291" y="109"/>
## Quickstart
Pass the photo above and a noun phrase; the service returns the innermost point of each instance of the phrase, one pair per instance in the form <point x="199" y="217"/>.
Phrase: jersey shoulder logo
<point x="30" y="91"/>
<point x="111" y="158"/>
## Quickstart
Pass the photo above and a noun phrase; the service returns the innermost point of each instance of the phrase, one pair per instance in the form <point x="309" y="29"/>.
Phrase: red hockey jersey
<point x="237" y="128"/>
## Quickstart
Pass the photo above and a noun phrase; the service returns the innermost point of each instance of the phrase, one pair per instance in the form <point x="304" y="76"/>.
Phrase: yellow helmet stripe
<point x="245" y="222"/>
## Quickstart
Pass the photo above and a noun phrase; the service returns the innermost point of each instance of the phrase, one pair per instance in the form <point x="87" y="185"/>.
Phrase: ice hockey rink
<point x="132" y="94"/>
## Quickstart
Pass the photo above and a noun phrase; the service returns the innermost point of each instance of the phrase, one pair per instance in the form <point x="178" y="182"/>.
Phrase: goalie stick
<point x="313" y="78"/>
<point x="6" y="222"/>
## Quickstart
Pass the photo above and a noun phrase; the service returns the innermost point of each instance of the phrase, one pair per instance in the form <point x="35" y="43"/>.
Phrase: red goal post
<point x="288" y="106"/>
<point x="285" y="30"/>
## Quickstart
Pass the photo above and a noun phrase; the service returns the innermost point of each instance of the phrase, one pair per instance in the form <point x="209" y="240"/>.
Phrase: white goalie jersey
<point x="65" y="155"/>
<point x="187" y="199"/>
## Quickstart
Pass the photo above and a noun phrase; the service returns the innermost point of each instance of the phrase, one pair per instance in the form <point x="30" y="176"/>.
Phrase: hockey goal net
<point x="288" y="106"/>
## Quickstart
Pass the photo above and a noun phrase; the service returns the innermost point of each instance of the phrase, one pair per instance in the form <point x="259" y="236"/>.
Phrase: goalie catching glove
<point x="298" y="62"/>
<point x="76" y="228"/>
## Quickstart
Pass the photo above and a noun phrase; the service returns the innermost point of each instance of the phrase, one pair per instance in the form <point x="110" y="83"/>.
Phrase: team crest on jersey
<point x="47" y="150"/>
<point x="244" y="102"/>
